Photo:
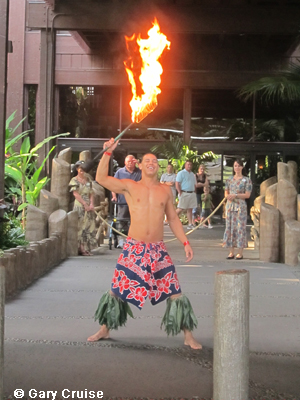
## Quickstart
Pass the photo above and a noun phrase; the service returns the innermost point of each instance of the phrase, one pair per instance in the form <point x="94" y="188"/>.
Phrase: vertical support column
<point x="3" y="82"/>
<point x="44" y="113"/>
<point x="252" y="168"/>
<point x="56" y="110"/>
<point x="231" y="335"/>
<point x="16" y="62"/>
<point x="253" y="118"/>
<point x="187" y="114"/>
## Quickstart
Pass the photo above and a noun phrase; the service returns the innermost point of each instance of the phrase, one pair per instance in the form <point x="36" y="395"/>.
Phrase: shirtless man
<point x="144" y="268"/>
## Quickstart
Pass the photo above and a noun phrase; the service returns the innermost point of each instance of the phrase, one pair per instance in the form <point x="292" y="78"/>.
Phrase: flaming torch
<point x="144" y="73"/>
<point x="150" y="51"/>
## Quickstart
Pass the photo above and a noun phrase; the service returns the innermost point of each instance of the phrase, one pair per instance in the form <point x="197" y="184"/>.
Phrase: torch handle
<point x="88" y="165"/>
<point x="116" y="138"/>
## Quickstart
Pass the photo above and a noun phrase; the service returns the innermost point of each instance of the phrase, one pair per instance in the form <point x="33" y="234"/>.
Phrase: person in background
<point x="202" y="181"/>
<point x="186" y="186"/>
<point x="129" y="171"/>
<point x="207" y="206"/>
<point x="81" y="187"/>
<point x="237" y="189"/>
<point x="169" y="178"/>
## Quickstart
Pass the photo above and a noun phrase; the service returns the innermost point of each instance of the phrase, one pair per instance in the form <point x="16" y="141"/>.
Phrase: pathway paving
<point x="46" y="327"/>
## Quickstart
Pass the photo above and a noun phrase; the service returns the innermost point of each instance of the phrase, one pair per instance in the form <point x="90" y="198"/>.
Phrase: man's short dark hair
<point x="149" y="152"/>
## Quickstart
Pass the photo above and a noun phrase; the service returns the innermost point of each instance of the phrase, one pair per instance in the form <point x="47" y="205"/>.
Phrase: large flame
<point x="150" y="70"/>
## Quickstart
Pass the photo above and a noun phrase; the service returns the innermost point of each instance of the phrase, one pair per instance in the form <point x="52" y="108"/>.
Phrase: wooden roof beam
<point x="82" y="41"/>
<point x="122" y="17"/>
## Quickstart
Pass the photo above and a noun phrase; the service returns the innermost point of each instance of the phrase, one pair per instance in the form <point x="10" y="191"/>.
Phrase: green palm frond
<point x="284" y="86"/>
<point x="269" y="131"/>
<point x="169" y="149"/>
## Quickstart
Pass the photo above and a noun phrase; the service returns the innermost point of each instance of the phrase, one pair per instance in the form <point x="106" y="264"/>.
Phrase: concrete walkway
<point x="46" y="327"/>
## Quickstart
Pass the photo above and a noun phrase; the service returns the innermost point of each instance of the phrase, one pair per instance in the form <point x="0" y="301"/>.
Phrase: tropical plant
<point x="177" y="153"/>
<point x="12" y="233"/>
<point x="269" y="131"/>
<point x="282" y="90"/>
<point x="22" y="173"/>
<point x="242" y="129"/>
<point x="284" y="86"/>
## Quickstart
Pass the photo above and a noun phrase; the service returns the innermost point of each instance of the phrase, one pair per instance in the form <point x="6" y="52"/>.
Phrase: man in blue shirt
<point x="186" y="188"/>
<point x="130" y="171"/>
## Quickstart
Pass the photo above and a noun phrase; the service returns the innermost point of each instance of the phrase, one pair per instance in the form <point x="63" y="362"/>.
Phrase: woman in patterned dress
<point x="81" y="186"/>
<point x="237" y="189"/>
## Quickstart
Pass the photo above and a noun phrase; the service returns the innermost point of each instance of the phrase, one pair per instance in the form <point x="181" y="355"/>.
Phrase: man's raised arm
<point x="102" y="177"/>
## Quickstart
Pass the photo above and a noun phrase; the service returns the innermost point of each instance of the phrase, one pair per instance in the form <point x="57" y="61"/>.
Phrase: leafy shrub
<point x="11" y="234"/>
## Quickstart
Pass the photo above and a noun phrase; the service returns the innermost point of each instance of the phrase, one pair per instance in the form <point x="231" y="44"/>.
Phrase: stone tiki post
<point x="85" y="155"/>
<point x="298" y="207"/>
<point x="292" y="242"/>
<point x="57" y="236"/>
<point x="269" y="233"/>
<point x="40" y="258"/>
<point x="24" y="267"/>
<point x="48" y="202"/>
<point x="30" y="270"/>
<point x="282" y="171"/>
<point x="66" y="155"/>
<point x="265" y="184"/>
<point x="231" y="335"/>
<point x="271" y="195"/>
<point x="8" y="261"/>
<point x="72" y="234"/>
<point x="258" y="201"/>
<point x="36" y="224"/>
<point x="18" y="266"/>
<point x="35" y="273"/>
<point x="60" y="178"/>
<point x="46" y="257"/>
<point x="51" y="253"/>
<point x="58" y="222"/>
<point x="286" y="204"/>
<point x="293" y="174"/>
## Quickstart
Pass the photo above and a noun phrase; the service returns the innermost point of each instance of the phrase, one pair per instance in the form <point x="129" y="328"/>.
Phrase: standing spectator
<point x="207" y="206"/>
<point x="130" y="171"/>
<point x="169" y="178"/>
<point x="202" y="181"/>
<point x="81" y="187"/>
<point x="237" y="189"/>
<point x="186" y="186"/>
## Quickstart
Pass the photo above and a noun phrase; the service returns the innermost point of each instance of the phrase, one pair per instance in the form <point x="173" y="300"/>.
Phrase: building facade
<point x="67" y="62"/>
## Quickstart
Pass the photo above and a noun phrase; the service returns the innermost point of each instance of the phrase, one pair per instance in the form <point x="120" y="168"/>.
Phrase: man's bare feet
<point x="189" y="340"/>
<point x="103" y="333"/>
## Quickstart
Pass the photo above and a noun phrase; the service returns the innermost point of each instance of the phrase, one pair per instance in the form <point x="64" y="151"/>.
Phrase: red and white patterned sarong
<point x="142" y="270"/>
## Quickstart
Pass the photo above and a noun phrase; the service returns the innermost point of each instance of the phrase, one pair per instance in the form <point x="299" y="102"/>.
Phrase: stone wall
<point x="51" y="229"/>
<point x="25" y="264"/>
<point x="276" y="213"/>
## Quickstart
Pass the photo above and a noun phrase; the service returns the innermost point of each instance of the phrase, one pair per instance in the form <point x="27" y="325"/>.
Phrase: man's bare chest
<point x="153" y="198"/>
